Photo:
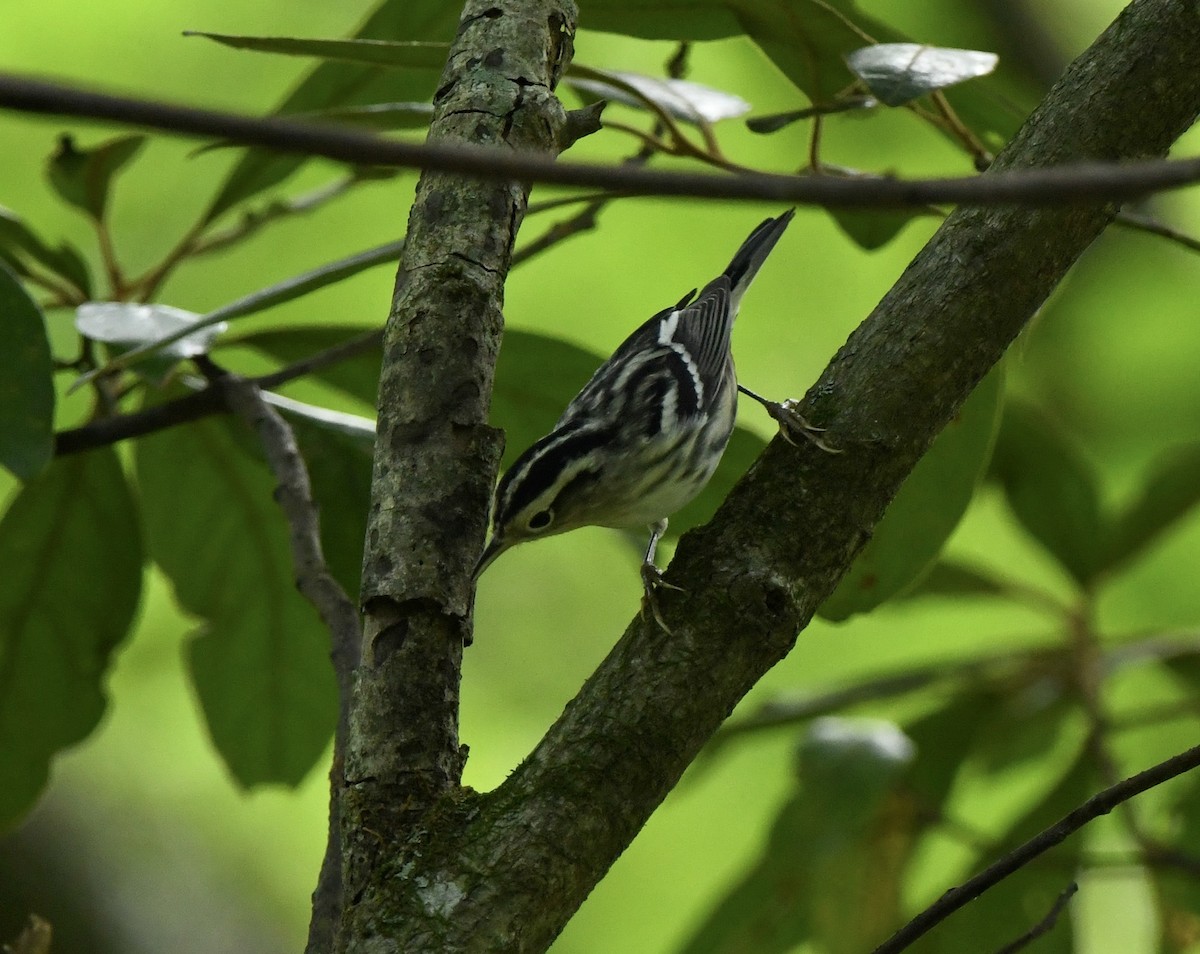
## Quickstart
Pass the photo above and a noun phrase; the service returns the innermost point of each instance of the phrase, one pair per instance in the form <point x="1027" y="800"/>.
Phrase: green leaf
<point x="1007" y="910"/>
<point x="1170" y="489"/>
<point x="874" y="228"/>
<point x="18" y="242"/>
<point x="926" y="510"/>
<point x="72" y="556"/>
<point x="26" y="382"/>
<point x="900" y="72"/>
<point x="944" y="740"/>
<point x="809" y="39"/>
<point x="83" y="177"/>
<point x="336" y="84"/>
<point x="260" y="663"/>
<point x="830" y="872"/>
<point x="664" y="19"/>
<point x="951" y="580"/>
<point x="395" y="55"/>
<point x="1051" y="490"/>
<point x="357" y="376"/>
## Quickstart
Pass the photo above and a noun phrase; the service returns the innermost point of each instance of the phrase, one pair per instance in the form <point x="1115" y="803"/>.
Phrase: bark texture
<point x="506" y="870"/>
<point x="435" y="455"/>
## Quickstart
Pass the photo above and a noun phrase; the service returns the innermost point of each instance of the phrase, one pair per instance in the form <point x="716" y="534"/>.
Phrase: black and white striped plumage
<point x="647" y="431"/>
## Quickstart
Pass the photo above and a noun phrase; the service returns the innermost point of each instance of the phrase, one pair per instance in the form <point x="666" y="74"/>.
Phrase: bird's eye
<point x="540" y="520"/>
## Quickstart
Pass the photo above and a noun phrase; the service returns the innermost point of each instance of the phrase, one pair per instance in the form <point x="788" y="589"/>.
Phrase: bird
<point x="647" y="431"/>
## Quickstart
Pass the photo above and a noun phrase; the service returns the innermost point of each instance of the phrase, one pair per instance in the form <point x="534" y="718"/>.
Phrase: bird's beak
<point x="490" y="552"/>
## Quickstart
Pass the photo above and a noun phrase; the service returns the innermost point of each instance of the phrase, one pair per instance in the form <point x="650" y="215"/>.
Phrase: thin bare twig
<point x="1099" y="804"/>
<point x="1043" y="186"/>
<point x="1045" y="925"/>
<point x="1137" y="222"/>
<point x="315" y="582"/>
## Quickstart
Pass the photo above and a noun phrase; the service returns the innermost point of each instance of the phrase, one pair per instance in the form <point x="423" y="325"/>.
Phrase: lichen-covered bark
<point x="435" y="455"/>
<point x="504" y="872"/>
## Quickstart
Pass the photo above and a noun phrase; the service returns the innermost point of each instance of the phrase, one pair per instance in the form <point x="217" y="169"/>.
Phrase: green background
<point x="142" y="827"/>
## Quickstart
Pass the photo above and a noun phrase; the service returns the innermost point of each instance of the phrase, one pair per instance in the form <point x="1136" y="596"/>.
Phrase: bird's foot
<point x="793" y="424"/>
<point x="652" y="582"/>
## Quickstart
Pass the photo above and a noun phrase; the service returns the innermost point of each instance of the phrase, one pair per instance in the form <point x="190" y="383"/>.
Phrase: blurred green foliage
<point x="1051" y="646"/>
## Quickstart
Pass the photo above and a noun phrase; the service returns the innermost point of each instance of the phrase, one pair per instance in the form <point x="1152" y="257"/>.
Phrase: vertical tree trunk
<point x="435" y="455"/>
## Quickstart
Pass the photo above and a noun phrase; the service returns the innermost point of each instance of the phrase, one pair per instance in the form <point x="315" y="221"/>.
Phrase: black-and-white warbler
<point x="647" y="431"/>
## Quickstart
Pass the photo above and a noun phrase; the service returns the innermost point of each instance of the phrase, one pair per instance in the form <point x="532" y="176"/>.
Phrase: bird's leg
<point x="791" y="421"/>
<point x="652" y="578"/>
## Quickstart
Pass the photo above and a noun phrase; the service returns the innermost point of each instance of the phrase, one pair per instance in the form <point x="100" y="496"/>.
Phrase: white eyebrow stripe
<point x="666" y="331"/>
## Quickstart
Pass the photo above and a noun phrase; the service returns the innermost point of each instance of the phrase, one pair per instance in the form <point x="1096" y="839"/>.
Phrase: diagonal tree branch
<point x="1084" y="179"/>
<point x="504" y="871"/>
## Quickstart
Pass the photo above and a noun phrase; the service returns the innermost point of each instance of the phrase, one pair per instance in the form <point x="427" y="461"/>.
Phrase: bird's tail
<point x="752" y="254"/>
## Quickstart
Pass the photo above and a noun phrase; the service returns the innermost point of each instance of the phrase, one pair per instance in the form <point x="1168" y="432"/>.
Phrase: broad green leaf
<point x="681" y="99"/>
<point x="663" y="19"/>
<point x="430" y="57"/>
<point x="830" y="872"/>
<point x="944" y="740"/>
<point x="1051" y="490"/>
<point x="357" y="376"/>
<point x="72" y="556"/>
<point x="898" y="73"/>
<point x="1007" y="910"/>
<point x="926" y="510"/>
<point x="19" y="243"/>
<point x="26" y="382"/>
<point x="260" y="662"/>
<point x="83" y="177"/>
<point x="1035" y="712"/>
<point x="954" y="581"/>
<point x="1170" y="489"/>
<point x="874" y="228"/>
<point x="336" y="84"/>
<point x="809" y="39"/>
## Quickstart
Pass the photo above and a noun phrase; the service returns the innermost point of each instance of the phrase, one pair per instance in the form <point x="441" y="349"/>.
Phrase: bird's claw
<point x="792" y="422"/>
<point x="652" y="582"/>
